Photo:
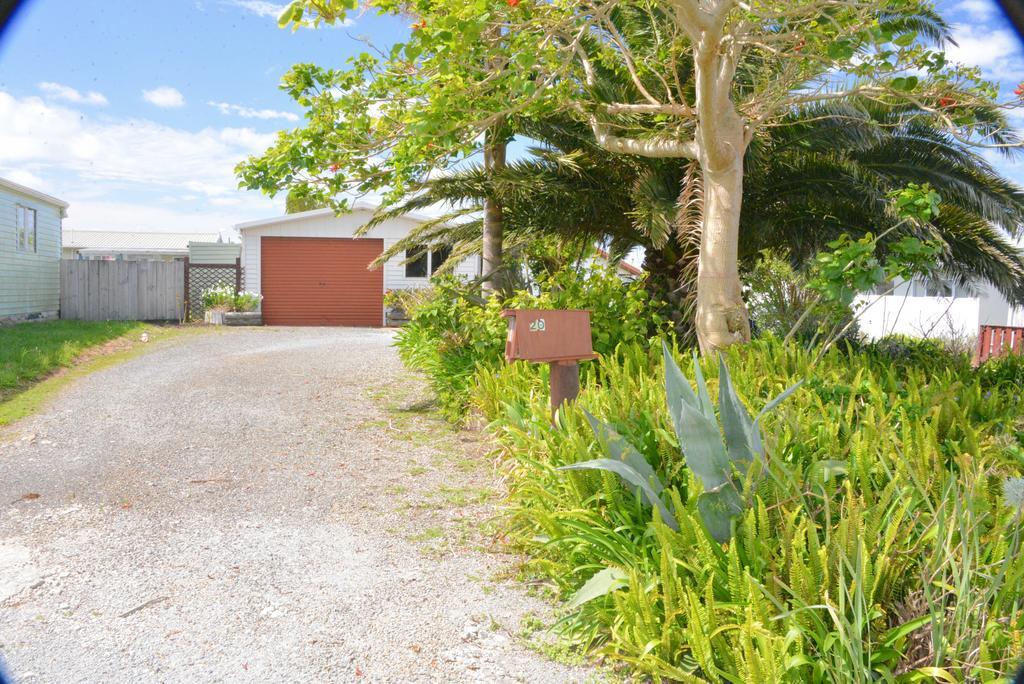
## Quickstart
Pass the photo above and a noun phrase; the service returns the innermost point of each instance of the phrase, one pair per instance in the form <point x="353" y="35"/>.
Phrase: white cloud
<point x="998" y="52"/>
<point x="25" y="177"/>
<point x="41" y="136"/>
<point x="118" y="215"/>
<point x="260" y="7"/>
<point x="59" y="91"/>
<point x="226" y="201"/>
<point x="272" y="10"/>
<point x="977" y="9"/>
<point x="164" y="96"/>
<point x="250" y="113"/>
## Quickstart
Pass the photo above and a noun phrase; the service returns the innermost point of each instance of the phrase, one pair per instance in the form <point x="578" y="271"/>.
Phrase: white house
<point x="30" y="240"/>
<point x="934" y="308"/>
<point x="312" y="270"/>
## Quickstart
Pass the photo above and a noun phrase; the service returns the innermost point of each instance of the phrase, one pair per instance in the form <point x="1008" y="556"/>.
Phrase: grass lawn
<point x="30" y="353"/>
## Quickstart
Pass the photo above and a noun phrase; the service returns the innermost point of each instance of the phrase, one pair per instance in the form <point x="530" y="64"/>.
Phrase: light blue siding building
<point x="30" y="250"/>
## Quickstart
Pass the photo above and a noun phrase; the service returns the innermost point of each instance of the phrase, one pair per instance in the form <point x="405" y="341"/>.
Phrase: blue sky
<point x="136" y="112"/>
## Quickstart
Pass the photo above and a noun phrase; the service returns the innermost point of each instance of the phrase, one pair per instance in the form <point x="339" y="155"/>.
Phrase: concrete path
<point x="256" y="505"/>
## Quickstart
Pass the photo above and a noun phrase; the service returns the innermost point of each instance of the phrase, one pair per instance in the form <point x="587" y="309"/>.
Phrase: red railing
<point x="998" y="340"/>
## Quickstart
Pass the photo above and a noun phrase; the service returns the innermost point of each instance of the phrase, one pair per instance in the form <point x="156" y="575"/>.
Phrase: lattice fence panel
<point x="202" y="277"/>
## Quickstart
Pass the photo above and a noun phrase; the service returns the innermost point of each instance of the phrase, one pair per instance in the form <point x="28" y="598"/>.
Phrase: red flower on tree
<point x="1019" y="90"/>
<point x="947" y="102"/>
<point x="513" y="3"/>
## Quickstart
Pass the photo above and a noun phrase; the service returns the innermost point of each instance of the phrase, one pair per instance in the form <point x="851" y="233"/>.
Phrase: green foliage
<point x="422" y="103"/>
<point x="781" y="301"/>
<point x="917" y="201"/>
<point x="224" y="298"/>
<point x="1006" y="373"/>
<point x="296" y="201"/>
<point x="725" y="470"/>
<point x="880" y="543"/>
<point x="247" y="301"/>
<point x="31" y="350"/>
<point x="219" y="298"/>
<point x="853" y="267"/>
<point x="452" y="331"/>
<point x="903" y="353"/>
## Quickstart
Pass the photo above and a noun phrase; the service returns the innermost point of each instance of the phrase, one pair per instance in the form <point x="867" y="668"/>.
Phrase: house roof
<point x="133" y="241"/>
<point x="42" y="197"/>
<point x="622" y="264"/>
<point x="358" y="205"/>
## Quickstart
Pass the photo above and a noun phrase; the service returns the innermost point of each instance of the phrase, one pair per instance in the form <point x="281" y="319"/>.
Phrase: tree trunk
<point x="722" y="318"/>
<point x="667" y="293"/>
<point x="494" y="219"/>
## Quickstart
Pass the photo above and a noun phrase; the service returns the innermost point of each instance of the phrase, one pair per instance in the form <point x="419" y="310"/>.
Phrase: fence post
<point x="238" y="275"/>
<point x="188" y="297"/>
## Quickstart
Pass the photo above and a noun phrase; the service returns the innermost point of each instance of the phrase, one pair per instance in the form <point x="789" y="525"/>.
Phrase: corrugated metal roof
<point x="116" y="240"/>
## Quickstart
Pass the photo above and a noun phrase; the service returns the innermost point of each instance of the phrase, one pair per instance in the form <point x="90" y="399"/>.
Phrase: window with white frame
<point x="25" y="229"/>
<point x="936" y="287"/>
<point x="420" y="261"/>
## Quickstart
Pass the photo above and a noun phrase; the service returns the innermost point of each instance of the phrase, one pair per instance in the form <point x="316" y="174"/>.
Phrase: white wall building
<point x="934" y="308"/>
<point x="312" y="270"/>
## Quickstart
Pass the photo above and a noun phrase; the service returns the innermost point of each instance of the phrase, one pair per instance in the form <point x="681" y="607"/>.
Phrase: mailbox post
<point x="560" y="338"/>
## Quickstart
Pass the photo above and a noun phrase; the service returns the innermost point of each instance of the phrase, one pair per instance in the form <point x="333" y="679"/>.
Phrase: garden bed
<point x="878" y="541"/>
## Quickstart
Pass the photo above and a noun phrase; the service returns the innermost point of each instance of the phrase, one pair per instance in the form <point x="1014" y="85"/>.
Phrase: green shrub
<point x="218" y="298"/>
<point x="247" y="301"/>
<point x="452" y="332"/>
<point x="224" y="298"/>
<point x="925" y="355"/>
<point x="878" y="545"/>
<point x="780" y="300"/>
<point x="1006" y="373"/>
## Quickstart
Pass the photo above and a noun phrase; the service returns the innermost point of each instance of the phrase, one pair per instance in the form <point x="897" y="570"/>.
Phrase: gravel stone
<point x="264" y="504"/>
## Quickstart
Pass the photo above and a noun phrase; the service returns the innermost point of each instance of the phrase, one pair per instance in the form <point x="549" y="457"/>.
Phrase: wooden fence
<point x="92" y="290"/>
<point x="998" y="340"/>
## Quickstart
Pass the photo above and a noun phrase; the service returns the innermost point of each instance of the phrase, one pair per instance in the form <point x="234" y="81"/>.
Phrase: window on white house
<point x="420" y="261"/>
<point x="935" y="287"/>
<point x="416" y="262"/>
<point x="25" y="229"/>
<point x="438" y="257"/>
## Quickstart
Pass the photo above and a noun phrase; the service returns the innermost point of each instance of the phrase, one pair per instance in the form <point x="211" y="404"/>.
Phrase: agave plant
<point x="724" y="450"/>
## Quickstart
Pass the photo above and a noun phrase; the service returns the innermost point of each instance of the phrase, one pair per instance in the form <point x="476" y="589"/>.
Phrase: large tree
<point x="829" y="170"/>
<point x="702" y="78"/>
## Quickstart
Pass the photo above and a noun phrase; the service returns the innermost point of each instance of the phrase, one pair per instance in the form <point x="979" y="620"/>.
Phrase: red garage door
<point x="321" y="281"/>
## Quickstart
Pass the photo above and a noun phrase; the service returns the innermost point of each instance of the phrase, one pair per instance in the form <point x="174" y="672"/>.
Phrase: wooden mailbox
<point x="555" y="336"/>
<point x="548" y="335"/>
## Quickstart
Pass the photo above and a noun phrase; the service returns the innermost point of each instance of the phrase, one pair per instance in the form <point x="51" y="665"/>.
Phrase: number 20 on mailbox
<point x="560" y="337"/>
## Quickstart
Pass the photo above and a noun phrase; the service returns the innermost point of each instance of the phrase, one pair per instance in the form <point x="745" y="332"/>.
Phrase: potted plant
<point x="223" y="306"/>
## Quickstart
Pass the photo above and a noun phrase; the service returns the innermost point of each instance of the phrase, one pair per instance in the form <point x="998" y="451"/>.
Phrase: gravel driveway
<point x="256" y="505"/>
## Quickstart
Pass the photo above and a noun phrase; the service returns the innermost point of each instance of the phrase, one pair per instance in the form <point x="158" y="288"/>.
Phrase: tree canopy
<point x="684" y="79"/>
